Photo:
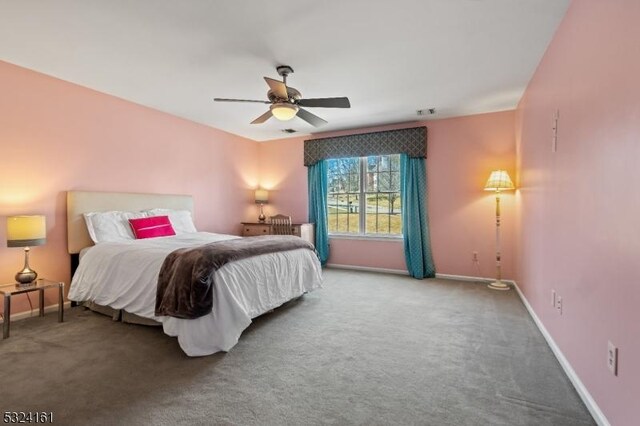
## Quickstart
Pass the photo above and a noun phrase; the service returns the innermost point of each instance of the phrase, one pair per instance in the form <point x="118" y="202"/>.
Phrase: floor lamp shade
<point x="498" y="181"/>
<point x="26" y="231"/>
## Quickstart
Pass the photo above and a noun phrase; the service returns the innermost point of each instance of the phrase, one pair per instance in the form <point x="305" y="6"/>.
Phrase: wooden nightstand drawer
<point x="253" y="230"/>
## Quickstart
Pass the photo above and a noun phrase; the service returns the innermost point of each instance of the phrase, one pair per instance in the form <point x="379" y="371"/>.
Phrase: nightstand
<point x="8" y="290"/>
<point x="306" y="231"/>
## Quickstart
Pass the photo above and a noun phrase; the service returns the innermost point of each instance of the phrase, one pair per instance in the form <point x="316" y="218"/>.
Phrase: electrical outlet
<point x="553" y="298"/>
<point x="475" y="257"/>
<point x="612" y="358"/>
<point x="559" y="304"/>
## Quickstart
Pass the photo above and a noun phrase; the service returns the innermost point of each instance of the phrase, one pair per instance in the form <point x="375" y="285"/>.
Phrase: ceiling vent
<point x="428" y="111"/>
<point x="289" y="130"/>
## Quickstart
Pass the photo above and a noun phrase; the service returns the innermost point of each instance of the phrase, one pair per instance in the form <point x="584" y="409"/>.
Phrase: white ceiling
<point x="389" y="57"/>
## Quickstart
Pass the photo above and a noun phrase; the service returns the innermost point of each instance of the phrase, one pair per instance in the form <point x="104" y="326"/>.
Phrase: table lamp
<point x="499" y="180"/>
<point x="26" y="231"/>
<point x="262" y="197"/>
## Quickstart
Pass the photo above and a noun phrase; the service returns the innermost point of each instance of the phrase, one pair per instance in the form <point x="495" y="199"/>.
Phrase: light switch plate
<point x="612" y="358"/>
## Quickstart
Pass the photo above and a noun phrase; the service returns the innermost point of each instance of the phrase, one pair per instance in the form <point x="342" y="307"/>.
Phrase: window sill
<point x="362" y="237"/>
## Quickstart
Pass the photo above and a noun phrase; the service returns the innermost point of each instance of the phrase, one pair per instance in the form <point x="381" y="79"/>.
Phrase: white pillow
<point x="111" y="226"/>
<point x="181" y="220"/>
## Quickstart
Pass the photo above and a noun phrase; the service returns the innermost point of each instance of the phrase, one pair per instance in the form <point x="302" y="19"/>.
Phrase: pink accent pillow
<point x="151" y="227"/>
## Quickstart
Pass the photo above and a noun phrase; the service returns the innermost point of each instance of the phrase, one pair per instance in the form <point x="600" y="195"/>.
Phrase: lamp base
<point x="499" y="285"/>
<point x="26" y="276"/>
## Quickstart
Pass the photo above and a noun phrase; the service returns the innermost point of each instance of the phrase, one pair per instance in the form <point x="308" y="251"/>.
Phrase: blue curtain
<point x="415" y="230"/>
<point x="317" y="181"/>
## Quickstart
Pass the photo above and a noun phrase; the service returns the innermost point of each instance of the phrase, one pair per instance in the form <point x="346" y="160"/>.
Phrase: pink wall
<point x="579" y="208"/>
<point x="56" y="136"/>
<point x="461" y="152"/>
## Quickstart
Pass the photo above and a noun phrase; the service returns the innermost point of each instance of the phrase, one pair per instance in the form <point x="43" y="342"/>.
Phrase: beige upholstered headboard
<point x="79" y="202"/>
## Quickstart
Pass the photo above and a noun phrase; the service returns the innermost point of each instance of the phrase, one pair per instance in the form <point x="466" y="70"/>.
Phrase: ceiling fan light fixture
<point x="287" y="102"/>
<point x="284" y="111"/>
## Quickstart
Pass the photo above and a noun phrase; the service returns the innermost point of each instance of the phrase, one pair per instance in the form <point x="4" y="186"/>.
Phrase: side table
<point x="9" y="290"/>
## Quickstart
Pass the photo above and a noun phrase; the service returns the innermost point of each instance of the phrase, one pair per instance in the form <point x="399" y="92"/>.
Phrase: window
<point x="364" y="195"/>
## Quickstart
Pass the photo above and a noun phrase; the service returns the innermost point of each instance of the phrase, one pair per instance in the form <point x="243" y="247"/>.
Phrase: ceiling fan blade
<point x="278" y="88"/>
<point x="325" y="103"/>
<point x="239" y="100"/>
<point x="264" y="117"/>
<point x="312" y="119"/>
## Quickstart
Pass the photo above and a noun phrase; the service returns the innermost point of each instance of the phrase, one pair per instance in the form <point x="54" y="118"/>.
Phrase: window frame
<point x="362" y="207"/>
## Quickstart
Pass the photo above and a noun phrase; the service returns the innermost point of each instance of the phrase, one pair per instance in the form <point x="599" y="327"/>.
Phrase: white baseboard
<point x="27" y="314"/>
<point x="468" y="278"/>
<point x="404" y="272"/>
<point x="367" y="269"/>
<point x="586" y="397"/>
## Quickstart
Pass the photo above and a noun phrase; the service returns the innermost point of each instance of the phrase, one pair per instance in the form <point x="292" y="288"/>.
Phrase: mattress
<point x="123" y="275"/>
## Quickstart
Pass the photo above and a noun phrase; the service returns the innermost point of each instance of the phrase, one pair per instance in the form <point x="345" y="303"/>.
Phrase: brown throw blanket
<point x="185" y="283"/>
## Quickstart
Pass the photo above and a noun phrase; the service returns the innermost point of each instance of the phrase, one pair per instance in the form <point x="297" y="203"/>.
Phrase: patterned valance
<point x="412" y="142"/>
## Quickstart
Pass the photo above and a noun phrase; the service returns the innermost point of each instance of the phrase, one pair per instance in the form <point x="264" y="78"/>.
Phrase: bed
<point x="120" y="277"/>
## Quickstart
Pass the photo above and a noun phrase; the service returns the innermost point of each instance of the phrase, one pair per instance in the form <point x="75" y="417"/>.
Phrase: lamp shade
<point x="499" y="181"/>
<point x="284" y="111"/>
<point x="262" y="196"/>
<point x="26" y="231"/>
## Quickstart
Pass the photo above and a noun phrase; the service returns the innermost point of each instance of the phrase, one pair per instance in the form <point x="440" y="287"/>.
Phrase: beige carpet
<point x="366" y="349"/>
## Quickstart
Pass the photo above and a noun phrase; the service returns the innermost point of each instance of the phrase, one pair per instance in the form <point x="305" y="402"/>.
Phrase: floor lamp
<point x="498" y="181"/>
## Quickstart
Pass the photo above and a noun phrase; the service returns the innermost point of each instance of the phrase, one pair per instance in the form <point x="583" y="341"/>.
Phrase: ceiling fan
<point x="286" y="102"/>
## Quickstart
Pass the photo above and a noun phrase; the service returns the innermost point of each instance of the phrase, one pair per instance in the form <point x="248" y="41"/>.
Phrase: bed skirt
<point x="120" y="314"/>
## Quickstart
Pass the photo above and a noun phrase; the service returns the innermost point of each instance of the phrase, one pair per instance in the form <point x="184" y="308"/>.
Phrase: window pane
<point x="348" y="208"/>
<point x="332" y="183"/>
<point x="349" y="165"/>
<point x="393" y="201"/>
<point x="332" y="219"/>
<point x="395" y="162"/>
<point x="352" y="216"/>
<point x="383" y="224"/>
<point x="332" y="212"/>
<point x="342" y="223"/>
<point x="396" y="223"/>
<point x="354" y="182"/>
<point x="372" y="164"/>
<point x="394" y="184"/>
<point x="384" y="180"/>
<point x="372" y="181"/>
<point x="384" y="163"/>
<point x="341" y="213"/>
<point x="372" y="213"/>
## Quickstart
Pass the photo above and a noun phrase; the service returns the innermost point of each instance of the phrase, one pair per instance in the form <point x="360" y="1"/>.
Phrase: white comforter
<point x="124" y="276"/>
